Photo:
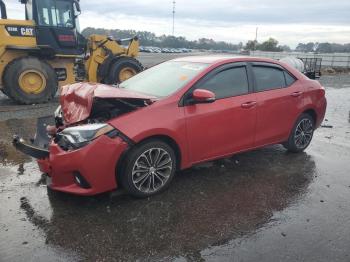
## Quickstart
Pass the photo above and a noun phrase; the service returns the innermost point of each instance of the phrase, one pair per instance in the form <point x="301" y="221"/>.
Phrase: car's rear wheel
<point x="149" y="169"/>
<point x="301" y="135"/>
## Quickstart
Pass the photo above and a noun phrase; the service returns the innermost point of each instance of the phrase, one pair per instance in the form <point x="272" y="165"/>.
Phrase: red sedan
<point x="172" y="116"/>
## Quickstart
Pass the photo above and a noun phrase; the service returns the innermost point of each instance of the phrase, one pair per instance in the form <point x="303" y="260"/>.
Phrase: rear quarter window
<point x="289" y="79"/>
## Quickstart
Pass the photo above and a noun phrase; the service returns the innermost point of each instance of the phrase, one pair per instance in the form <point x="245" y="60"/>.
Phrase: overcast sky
<point x="290" y="22"/>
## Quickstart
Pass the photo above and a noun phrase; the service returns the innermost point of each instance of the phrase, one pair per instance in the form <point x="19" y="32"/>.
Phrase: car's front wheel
<point x="301" y="134"/>
<point x="149" y="169"/>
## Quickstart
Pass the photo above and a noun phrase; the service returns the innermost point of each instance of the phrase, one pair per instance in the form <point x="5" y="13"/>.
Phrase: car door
<point x="226" y="125"/>
<point x="279" y="99"/>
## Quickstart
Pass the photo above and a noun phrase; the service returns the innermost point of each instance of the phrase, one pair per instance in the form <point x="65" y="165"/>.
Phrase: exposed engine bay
<point x="104" y="109"/>
<point x="83" y="101"/>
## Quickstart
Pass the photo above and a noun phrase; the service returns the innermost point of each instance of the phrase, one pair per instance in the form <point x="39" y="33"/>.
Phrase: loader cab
<point x="57" y="25"/>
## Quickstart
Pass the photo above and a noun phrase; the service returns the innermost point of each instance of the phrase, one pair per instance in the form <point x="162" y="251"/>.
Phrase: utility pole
<point x="256" y="38"/>
<point x="174" y="16"/>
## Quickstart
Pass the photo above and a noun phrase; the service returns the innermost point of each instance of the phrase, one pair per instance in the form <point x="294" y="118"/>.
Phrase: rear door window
<point x="268" y="78"/>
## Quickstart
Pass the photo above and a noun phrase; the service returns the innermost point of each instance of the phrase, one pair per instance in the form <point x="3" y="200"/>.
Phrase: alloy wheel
<point x="151" y="170"/>
<point x="303" y="133"/>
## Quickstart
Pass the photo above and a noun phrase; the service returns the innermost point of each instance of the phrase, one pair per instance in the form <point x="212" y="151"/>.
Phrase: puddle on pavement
<point x="208" y="212"/>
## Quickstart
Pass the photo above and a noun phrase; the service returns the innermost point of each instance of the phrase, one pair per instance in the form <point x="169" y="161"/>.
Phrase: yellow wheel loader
<point x="46" y="51"/>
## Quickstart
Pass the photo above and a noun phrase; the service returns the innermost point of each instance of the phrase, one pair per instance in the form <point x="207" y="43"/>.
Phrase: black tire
<point x="113" y="76"/>
<point x="12" y="76"/>
<point x="138" y="189"/>
<point x="294" y="141"/>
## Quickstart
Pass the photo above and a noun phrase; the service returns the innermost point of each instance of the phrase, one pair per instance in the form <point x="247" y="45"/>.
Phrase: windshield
<point x="55" y="13"/>
<point x="164" y="79"/>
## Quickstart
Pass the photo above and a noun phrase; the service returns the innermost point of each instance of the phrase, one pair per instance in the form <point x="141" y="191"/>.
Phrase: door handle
<point x="248" y="104"/>
<point x="296" y="94"/>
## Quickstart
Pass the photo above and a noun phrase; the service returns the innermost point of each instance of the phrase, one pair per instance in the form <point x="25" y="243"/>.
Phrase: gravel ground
<point x="265" y="205"/>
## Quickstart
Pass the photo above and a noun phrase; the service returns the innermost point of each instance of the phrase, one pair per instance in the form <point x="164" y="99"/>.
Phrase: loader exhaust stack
<point x="3" y="10"/>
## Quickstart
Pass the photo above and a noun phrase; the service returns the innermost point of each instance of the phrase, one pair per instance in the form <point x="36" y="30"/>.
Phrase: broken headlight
<point x="79" y="136"/>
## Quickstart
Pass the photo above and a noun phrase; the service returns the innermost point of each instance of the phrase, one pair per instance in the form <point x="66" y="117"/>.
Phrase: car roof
<point x="213" y="59"/>
<point x="222" y="59"/>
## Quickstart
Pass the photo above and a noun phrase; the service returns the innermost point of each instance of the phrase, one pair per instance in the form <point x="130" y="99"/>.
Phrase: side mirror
<point x="201" y="96"/>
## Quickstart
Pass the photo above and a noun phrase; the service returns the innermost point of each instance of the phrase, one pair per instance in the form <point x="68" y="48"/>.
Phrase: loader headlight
<point x="79" y="136"/>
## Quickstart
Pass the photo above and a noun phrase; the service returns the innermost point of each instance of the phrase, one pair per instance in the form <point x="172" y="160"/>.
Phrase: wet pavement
<point x="266" y="205"/>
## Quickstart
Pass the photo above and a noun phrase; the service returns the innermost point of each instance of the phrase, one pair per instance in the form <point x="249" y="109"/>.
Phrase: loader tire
<point x="122" y="69"/>
<point x="28" y="80"/>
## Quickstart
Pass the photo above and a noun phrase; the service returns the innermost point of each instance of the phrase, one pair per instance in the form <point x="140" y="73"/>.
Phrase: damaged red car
<point x="171" y="117"/>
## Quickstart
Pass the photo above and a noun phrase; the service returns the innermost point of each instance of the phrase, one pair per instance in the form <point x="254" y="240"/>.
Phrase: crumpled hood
<point x="77" y="99"/>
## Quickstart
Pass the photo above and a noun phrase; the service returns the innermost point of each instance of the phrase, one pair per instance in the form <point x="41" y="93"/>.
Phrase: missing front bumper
<point x="28" y="149"/>
<point x="39" y="147"/>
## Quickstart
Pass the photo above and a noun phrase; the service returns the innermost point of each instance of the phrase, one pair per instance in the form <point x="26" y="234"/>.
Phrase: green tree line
<point x="150" y="39"/>
<point x="269" y="45"/>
